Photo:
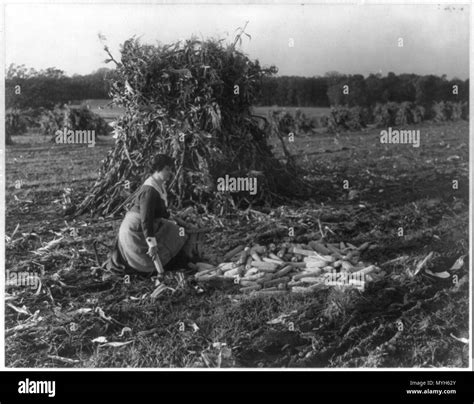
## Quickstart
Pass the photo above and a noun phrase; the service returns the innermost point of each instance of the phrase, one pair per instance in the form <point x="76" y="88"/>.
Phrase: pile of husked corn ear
<point x="299" y="268"/>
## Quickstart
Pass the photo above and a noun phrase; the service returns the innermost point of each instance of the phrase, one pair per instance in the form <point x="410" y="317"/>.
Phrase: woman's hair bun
<point x="160" y="161"/>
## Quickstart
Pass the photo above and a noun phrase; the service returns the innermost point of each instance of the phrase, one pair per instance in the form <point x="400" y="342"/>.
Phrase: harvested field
<point x="400" y="199"/>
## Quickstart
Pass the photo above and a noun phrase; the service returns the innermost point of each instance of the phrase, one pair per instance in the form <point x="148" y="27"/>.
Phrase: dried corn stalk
<point x="191" y="100"/>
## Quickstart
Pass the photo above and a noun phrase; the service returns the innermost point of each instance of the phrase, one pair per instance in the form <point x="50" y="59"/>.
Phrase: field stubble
<point x="401" y="321"/>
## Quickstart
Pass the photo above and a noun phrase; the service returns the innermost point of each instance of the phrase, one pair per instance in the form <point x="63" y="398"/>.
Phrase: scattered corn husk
<point x="20" y="310"/>
<point x="423" y="263"/>
<point x="458" y="264"/>
<point x="159" y="290"/>
<point x="460" y="339"/>
<point x="115" y="344"/>
<point x="441" y="275"/>
<point x="52" y="244"/>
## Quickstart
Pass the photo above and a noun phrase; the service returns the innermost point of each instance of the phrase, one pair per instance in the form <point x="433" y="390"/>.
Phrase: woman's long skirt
<point x="133" y="246"/>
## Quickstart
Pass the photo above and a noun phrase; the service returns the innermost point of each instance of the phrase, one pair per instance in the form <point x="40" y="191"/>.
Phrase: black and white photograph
<point x="269" y="185"/>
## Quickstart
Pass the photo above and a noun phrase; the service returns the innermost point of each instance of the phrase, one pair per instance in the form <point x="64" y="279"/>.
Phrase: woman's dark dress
<point x="148" y="218"/>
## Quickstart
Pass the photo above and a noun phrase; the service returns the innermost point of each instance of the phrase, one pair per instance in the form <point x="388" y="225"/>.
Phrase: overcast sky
<point x="348" y="39"/>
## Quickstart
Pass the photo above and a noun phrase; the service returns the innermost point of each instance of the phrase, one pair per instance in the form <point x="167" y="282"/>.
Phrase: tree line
<point x="28" y="88"/>
<point x="356" y="90"/>
<point x="32" y="89"/>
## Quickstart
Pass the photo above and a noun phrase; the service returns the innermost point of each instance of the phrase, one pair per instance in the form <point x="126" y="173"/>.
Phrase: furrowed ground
<point x="399" y="321"/>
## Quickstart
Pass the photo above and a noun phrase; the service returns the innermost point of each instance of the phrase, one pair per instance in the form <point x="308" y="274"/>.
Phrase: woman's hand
<point x="153" y="252"/>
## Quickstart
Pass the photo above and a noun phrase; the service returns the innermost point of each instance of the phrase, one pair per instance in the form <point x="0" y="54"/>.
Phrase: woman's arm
<point x="148" y="199"/>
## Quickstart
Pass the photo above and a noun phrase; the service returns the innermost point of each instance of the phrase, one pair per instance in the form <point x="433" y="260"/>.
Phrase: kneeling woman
<point x="147" y="240"/>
